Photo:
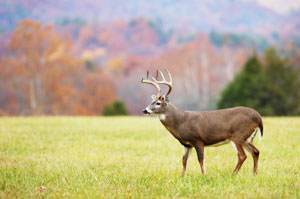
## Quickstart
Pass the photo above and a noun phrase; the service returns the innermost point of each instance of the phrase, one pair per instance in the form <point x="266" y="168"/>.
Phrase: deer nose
<point x="145" y="111"/>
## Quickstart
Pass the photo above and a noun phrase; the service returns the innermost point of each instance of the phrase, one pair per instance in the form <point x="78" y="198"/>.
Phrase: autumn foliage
<point x="80" y="68"/>
<point x="40" y="75"/>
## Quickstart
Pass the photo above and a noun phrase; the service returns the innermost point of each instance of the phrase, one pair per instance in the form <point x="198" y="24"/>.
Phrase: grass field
<point x="135" y="157"/>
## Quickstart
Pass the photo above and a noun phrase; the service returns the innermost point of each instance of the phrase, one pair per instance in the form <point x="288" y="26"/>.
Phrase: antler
<point x="147" y="81"/>
<point x="164" y="81"/>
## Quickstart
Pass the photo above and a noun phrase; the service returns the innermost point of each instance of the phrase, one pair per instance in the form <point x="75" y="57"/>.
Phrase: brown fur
<point x="200" y="129"/>
<point x="206" y="128"/>
<point x="211" y="127"/>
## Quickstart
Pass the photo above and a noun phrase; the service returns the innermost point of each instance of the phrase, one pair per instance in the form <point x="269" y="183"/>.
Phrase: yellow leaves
<point x="87" y="55"/>
<point x="115" y="63"/>
<point x="93" y="54"/>
<point x="57" y="53"/>
<point x="116" y="66"/>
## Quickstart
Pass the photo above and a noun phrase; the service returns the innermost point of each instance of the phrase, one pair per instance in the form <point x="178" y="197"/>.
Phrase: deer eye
<point x="158" y="103"/>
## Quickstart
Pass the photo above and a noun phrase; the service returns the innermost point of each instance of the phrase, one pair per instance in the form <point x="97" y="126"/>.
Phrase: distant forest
<point x="54" y="63"/>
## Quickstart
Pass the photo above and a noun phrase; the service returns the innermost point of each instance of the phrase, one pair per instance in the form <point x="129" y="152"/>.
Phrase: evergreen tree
<point x="240" y="91"/>
<point x="272" y="89"/>
<point x="280" y="91"/>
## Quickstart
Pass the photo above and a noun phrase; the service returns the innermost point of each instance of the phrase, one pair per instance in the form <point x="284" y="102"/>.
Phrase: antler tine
<point x="164" y="81"/>
<point x="170" y="77"/>
<point x="162" y="75"/>
<point x="155" y="84"/>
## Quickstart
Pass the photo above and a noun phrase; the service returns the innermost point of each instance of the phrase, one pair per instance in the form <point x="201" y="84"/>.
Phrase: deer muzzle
<point x="146" y="112"/>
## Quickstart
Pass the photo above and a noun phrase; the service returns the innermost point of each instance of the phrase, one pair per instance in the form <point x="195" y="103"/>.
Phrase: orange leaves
<point x="42" y="76"/>
<point x="98" y="90"/>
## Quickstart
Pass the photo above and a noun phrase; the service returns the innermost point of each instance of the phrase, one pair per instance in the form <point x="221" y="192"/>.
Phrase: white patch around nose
<point x="162" y="117"/>
<point x="149" y="110"/>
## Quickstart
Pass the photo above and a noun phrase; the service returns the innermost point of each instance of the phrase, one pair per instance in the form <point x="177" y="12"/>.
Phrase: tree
<point x="271" y="89"/>
<point x="97" y="90"/>
<point x="41" y="68"/>
<point x="239" y="92"/>
<point x="40" y="75"/>
<point x="280" y="93"/>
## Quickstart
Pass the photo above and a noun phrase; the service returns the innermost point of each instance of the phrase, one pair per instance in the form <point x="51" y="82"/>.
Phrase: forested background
<point x="73" y="57"/>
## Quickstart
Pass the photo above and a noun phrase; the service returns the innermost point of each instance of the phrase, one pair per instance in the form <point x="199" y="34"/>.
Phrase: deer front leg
<point x="200" y="153"/>
<point x="186" y="154"/>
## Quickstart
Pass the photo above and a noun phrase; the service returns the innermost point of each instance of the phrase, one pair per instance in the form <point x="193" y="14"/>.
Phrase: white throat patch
<point x="162" y="117"/>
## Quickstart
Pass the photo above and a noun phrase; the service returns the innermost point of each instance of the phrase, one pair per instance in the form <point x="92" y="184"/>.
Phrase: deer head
<point x="159" y="102"/>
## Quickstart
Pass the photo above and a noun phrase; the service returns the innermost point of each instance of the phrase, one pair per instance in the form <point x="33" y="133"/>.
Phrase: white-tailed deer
<point x="237" y="125"/>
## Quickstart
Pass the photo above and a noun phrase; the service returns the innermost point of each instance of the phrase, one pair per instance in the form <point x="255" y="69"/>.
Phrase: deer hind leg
<point x="200" y="153"/>
<point x="254" y="152"/>
<point x="241" y="155"/>
<point x="186" y="154"/>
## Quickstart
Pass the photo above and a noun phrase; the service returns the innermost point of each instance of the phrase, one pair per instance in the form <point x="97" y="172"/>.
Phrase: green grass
<point x="135" y="157"/>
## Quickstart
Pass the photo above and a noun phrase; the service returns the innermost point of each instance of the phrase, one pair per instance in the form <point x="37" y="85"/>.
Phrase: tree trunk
<point x="33" y="103"/>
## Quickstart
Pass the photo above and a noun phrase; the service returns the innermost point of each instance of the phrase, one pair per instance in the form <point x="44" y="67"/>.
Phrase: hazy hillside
<point x="244" y="16"/>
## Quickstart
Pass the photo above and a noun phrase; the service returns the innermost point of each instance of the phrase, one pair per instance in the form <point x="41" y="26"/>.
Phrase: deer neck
<point x="171" y="118"/>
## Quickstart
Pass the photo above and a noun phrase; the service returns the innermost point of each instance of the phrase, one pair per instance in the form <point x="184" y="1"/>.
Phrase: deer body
<point x="197" y="130"/>
<point x="211" y="127"/>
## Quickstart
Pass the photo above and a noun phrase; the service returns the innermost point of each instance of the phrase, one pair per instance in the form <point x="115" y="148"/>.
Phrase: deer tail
<point x="261" y="129"/>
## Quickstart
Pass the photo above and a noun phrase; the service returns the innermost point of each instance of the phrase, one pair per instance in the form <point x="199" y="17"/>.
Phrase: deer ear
<point x="165" y="98"/>
<point x="153" y="97"/>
